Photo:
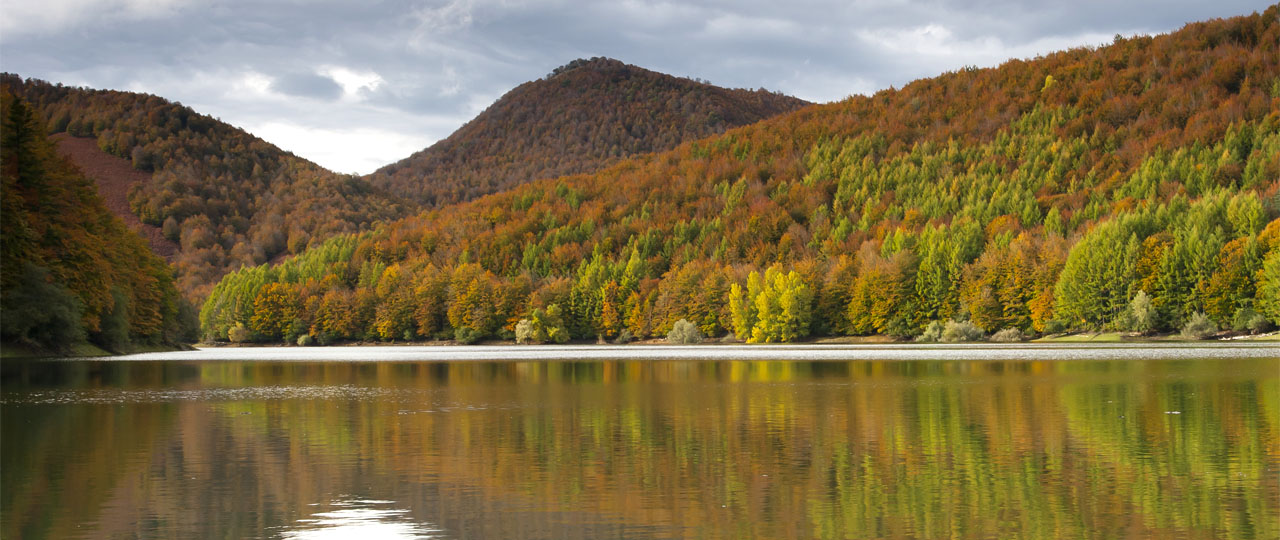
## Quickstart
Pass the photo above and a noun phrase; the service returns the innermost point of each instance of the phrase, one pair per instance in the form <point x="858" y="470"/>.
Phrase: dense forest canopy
<point x="70" y="270"/>
<point x="1134" y="186"/>
<point x="228" y="198"/>
<point x="582" y="116"/>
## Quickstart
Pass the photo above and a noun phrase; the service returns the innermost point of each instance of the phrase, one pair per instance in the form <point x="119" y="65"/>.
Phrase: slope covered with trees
<point x="71" y="270"/>
<point x="226" y="197"/>
<point x="581" y="117"/>
<point x="1133" y="186"/>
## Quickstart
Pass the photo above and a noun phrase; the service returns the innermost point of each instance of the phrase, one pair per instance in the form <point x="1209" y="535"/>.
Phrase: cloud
<point x="55" y="16"/>
<point x="343" y="150"/>
<point x="353" y="85"/>
<point x="309" y="85"/>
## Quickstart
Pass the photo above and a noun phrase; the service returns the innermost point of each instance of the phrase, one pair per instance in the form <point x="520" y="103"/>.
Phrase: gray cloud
<point x="307" y="85"/>
<point x="383" y="78"/>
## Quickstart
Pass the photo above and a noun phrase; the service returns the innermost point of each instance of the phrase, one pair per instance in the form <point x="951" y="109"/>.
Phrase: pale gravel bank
<point x="803" y="352"/>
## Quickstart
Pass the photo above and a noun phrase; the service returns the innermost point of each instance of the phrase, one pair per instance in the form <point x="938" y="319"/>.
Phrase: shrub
<point x="305" y="340"/>
<point x="524" y="331"/>
<point x="932" y="333"/>
<point x="1199" y="327"/>
<point x="466" y="335"/>
<point x="684" y="332"/>
<point x="296" y="329"/>
<point x="1008" y="335"/>
<point x="1246" y="319"/>
<point x="624" y="336"/>
<point x="238" y="333"/>
<point x="542" y="327"/>
<point x="1055" y="326"/>
<point x="956" y="331"/>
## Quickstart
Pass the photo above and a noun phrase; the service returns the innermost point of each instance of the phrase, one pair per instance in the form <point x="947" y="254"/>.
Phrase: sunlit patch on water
<point x="363" y="519"/>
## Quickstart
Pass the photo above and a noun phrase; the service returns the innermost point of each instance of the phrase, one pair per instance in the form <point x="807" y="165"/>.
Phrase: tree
<point x="1141" y="316"/>
<point x="1094" y="286"/>
<point x="784" y="307"/>
<point x="542" y="327"/>
<point x="1268" y="299"/>
<point x="274" y="310"/>
<point x="39" y="312"/>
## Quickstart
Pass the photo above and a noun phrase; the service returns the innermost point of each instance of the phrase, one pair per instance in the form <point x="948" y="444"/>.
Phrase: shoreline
<point x="722" y="352"/>
<point x="1082" y="338"/>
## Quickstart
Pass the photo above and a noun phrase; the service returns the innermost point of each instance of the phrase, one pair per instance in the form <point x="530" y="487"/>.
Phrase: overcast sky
<point x="353" y="85"/>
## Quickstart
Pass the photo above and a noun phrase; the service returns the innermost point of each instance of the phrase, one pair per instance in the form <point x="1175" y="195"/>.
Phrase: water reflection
<point x="643" y="449"/>
<point x="362" y="519"/>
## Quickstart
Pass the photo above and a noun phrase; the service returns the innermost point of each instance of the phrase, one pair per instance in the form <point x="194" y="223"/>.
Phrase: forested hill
<point x="1131" y="186"/>
<point x="226" y="197"/>
<point x="581" y="117"/>
<point x="70" y="270"/>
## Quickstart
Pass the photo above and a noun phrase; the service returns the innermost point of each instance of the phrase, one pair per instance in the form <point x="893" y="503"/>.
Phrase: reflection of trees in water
<point x="640" y="449"/>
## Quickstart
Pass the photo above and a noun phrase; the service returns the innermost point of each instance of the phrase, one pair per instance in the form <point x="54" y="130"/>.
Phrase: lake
<point x="1023" y="441"/>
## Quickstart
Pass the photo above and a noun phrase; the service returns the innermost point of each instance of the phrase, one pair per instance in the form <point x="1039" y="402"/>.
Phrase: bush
<point x="524" y="331"/>
<point x="1246" y="319"/>
<point x="542" y="327"/>
<point x="1055" y="326"/>
<point x="956" y="331"/>
<point x="1008" y="335"/>
<point x="305" y="340"/>
<point x="1199" y="327"/>
<point x="932" y="333"/>
<point x="296" y="328"/>
<point x="466" y="335"/>
<point x="238" y="333"/>
<point x="684" y="332"/>
<point x="624" y="337"/>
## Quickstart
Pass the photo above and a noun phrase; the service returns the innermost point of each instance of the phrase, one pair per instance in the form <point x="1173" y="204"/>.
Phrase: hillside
<point x="1041" y="195"/>
<point x="581" y="117"/>
<point x="115" y="177"/>
<point x="223" y="196"/>
<point x="70" y="270"/>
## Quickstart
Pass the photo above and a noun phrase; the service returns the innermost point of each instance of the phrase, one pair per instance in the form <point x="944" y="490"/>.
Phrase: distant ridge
<point x="581" y="117"/>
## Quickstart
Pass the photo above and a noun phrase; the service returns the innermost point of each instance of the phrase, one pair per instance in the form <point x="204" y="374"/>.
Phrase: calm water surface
<point x="663" y="442"/>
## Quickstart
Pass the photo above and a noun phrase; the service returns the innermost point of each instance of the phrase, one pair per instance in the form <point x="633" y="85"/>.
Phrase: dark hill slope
<point x="1039" y="195"/>
<point x="580" y="118"/>
<point x="69" y="269"/>
<point x="225" y="197"/>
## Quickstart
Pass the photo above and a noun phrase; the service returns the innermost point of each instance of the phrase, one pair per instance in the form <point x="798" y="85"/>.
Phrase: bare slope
<point x="114" y="176"/>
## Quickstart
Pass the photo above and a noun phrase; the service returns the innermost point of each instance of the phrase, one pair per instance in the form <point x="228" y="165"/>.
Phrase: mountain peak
<point x="598" y="63"/>
<point x="581" y="117"/>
